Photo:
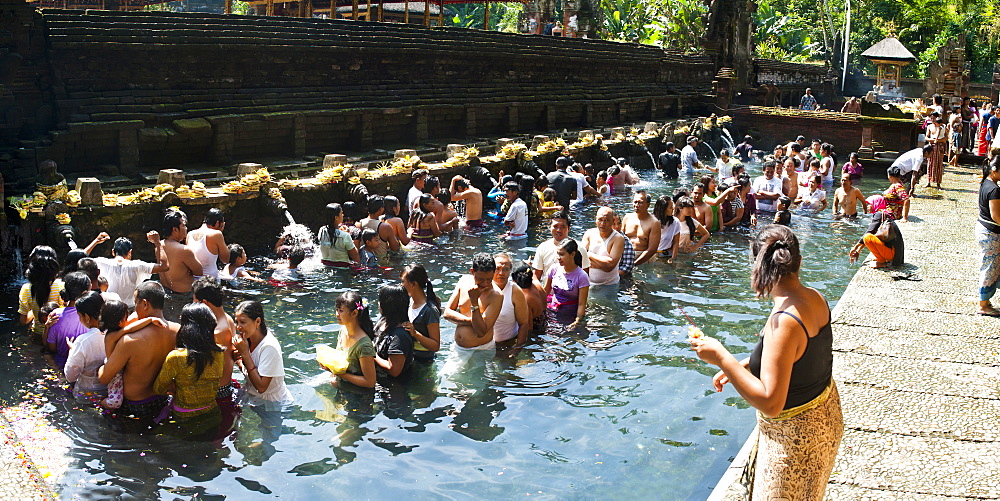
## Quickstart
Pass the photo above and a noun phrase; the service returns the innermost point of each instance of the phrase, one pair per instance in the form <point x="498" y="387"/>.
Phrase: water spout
<point x="727" y="138"/>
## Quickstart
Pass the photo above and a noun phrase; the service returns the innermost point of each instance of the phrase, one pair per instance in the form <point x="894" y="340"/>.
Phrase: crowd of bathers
<point x="167" y="348"/>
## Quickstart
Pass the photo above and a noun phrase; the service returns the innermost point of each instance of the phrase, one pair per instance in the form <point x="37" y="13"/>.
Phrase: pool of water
<point x="621" y="406"/>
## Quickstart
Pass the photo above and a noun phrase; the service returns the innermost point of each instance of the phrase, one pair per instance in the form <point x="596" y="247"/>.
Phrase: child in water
<point x="371" y="243"/>
<point x="235" y="269"/>
<point x="784" y="216"/>
<point x="287" y="273"/>
<point x="549" y="205"/>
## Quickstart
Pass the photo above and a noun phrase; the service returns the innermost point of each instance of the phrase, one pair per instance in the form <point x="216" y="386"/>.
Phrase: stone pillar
<point x="404" y="153"/>
<point x="453" y="149"/>
<point x="299" y="133"/>
<point x="550" y="117"/>
<point x="223" y="138"/>
<point x="128" y="151"/>
<point x="538" y="140"/>
<point x="90" y="191"/>
<point x="513" y="118"/>
<point x="334" y="160"/>
<point x="367" y="131"/>
<point x="588" y="114"/>
<point x="247" y="168"/>
<point x="866" y="152"/>
<point x="421" y="125"/>
<point x="470" y="121"/>
<point x="173" y="177"/>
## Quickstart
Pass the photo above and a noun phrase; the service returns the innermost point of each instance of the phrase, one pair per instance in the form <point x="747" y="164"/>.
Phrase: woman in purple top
<point x="68" y="327"/>
<point x="567" y="284"/>
<point x="853" y="168"/>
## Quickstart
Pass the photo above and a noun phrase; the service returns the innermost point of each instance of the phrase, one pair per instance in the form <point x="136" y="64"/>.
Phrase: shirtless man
<point x="845" y="201"/>
<point x="208" y="243"/>
<point x="474" y="308"/>
<point x="514" y="322"/>
<point x="790" y="179"/>
<point x="461" y="189"/>
<point x="208" y="291"/>
<point x="141" y="354"/>
<point x="642" y="228"/>
<point x="605" y="247"/>
<point x="702" y="211"/>
<point x="184" y="266"/>
<point x="801" y="140"/>
<point x="376" y="208"/>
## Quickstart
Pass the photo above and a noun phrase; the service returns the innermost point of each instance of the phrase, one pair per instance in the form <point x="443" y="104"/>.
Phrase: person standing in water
<point x="474" y="308"/>
<point x="788" y="376"/>
<point x="642" y="228"/>
<point x="514" y="322"/>
<point x="208" y="243"/>
<point x="184" y="264"/>
<point x="604" y="248"/>
<point x="424" y="314"/>
<point x="461" y="189"/>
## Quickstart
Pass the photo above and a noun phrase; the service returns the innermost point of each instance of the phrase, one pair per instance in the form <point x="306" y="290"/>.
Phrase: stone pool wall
<point x="846" y="131"/>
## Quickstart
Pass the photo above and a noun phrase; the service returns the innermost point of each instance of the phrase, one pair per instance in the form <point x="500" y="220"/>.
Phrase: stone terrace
<point x="918" y="371"/>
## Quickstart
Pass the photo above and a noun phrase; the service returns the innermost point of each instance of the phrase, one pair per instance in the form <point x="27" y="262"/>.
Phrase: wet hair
<point x="743" y="180"/>
<point x="483" y="261"/>
<point x="724" y="151"/>
<point x="461" y="183"/>
<point x="393" y="303"/>
<point x="102" y="281"/>
<point x="444" y="196"/>
<point x="685" y="202"/>
<point x="613" y="171"/>
<point x="563" y="214"/>
<point x="737" y="169"/>
<point x="814" y="163"/>
<point x="152" y="292"/>
<point x="527" y="189"/>
<point x="571" y="247"/>
<point x="419" y="212"/>
<point x="670" y="145"/>
<point x="90" y="304"/>
<point x="375" y="202"/>
<point x="172" y="219"/>
<point x="894" y="172"/>
<point x="506" y="179"/>
<point x="776" y="255"/>
<point x="368" y="234"/>
<point x="706" y="180"/>
<point x="214" y="217"/>
<point x="680" y="191"/>
<point x="296" y="256"/>
<point x="747" y="139"/>
<point x="235" y="251"/>
<point x="392" y="202"/>
<point x="622" y="162"/>
<point x="796" y="148"/>
<point x="430" y="183"/>
<point x="89" y="266"/>
<point x="112" y="314"/>
<point x="854" y="154"/>
<point x="417" y="274"/>
<point x="41" y="271"/>
<point x="253" y="310"/>
<point x="522" y="275"/>
<point x="784" y="200"/>
<point x="645" y="195"/>
<point x="563" y="162"/>
<point x="122" y="246"/>
<point x="661" y="212"/>
<point x="419" y="173"/>
<point x="351" y="211"/>
<point x="332" y="211"/>
<point x="602" y="175"/>
<point x="208" y="288"/>
<point x="352" y="301"/>
<point x="541" y="183"/>
<point x="817" y="178"/>
<point x="549" y="195"/>
<point x="827" y="147"/>
<point x="512" y="186"/>
<point x="72" y="262"/>
<point x="800" y="138"/>
<point x="197" y="336"/>
<point x="76" y="283"/>
<point x="46" y="309"/>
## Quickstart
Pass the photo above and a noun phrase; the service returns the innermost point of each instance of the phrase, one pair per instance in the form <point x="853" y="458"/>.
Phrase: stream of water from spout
<point x="728" y="139"/>
<point x="288" y="216"/>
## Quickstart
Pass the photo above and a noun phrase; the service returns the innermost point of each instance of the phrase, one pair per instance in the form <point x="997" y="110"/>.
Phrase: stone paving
<point x="918" y="370"/>
<point x="19" y="479"/>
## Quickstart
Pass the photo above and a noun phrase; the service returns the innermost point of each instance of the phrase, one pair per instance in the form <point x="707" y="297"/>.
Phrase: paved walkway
<point x="918" y="371"/>
<point x="19" y="479"/>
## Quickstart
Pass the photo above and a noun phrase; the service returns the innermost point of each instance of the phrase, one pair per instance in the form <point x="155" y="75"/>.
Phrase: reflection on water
<point x="620" y="403"/>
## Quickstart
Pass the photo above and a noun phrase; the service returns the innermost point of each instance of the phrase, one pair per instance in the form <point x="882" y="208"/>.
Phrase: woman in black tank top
<point x="788" y="376"/>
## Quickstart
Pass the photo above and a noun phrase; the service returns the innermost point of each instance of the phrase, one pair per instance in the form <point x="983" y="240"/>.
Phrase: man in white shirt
<point x="413" y="196"/>
<point x="517" y="214"/>
<point x="689" y="157"/>
<point x="582" y="186"/>
<point x="124" y="274"/>
<point x="546" y="255"/>
<point x="909" y="164"/>
<point x="767" y="188"/>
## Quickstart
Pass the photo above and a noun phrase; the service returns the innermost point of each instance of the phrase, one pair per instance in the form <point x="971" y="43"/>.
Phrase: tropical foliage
<point x="675" y="24"/>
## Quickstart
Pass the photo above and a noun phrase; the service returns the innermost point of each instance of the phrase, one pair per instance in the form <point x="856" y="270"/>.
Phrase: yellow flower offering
<point x="63" y="218"/>
<point x="694" y="332"/>
<point x="333" y="359"/>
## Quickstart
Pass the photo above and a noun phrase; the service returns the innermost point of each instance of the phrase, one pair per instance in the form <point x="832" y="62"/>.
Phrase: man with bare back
<point x="845" y="201"/>
<point x="140" y="355"/>
<point x="641" y="228"/>
<point x="461" y="189"/>
<point x="184" y="265"/>
<point x="474" y="308"/>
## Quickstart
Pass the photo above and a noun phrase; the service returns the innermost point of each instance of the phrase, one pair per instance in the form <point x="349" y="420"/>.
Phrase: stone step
<point x="957" y="347"/>
<point x="905" y="374"/>
<point x="930" y="322"/>
<point x="923" y="465"/>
